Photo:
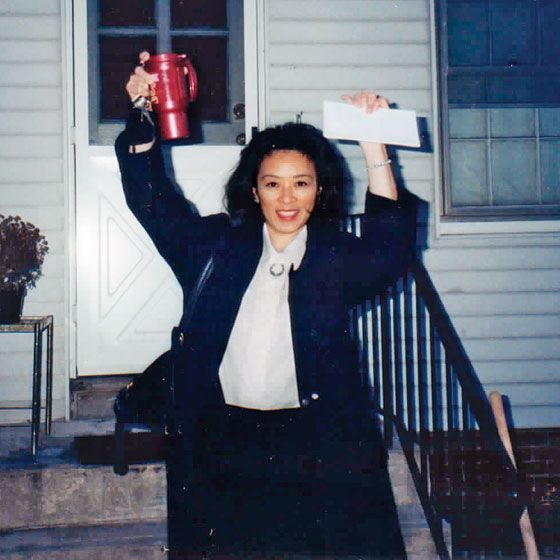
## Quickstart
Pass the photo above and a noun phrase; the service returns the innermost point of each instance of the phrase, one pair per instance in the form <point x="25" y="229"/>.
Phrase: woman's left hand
<point x="369" y="102"/>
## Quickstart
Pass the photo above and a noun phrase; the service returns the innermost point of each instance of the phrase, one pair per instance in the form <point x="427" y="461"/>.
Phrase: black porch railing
<point x="425" y="388"/>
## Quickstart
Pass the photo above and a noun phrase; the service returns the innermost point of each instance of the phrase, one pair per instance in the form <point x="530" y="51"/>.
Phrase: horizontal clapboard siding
<point x="383" y="55"/>
<point x="504" y="257"/>
<point x="39" y="51"/>
<point x="502" y="293"/>
<point x="25" y="27"/>
<point x="21" y="98"/>
<point x="45" y="194"/>
<point x="504" y="301"/>
<point x="30" y="7"/>
<point x="349" y="10"/>
<point x="358" y="32"/>
<point x="31" y="123"/>
<point x="354" y="77"/>
<point x="32" y="180"/>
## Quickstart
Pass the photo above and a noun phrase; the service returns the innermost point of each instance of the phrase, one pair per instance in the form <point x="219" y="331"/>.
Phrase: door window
<point x="210" y="32"/>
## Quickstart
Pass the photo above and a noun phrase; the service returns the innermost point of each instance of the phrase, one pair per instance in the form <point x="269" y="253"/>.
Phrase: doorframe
<point x="76" y="126"/>
<point x="69" y="156"/>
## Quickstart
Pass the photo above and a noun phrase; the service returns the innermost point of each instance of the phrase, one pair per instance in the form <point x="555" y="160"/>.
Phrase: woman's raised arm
<point x="388" y="234"/>
<point x="168" y="217"/>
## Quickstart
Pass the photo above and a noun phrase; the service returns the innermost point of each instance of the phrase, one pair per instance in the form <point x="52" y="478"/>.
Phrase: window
<point x="210" y="32"/>
<point x="500" y="107"/>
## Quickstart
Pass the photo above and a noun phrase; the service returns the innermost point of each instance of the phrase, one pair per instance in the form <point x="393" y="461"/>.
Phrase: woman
<point x="276" y="452"/>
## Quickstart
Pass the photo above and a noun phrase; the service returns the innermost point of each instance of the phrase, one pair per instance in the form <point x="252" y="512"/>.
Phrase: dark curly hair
<point x="302" y="138"/>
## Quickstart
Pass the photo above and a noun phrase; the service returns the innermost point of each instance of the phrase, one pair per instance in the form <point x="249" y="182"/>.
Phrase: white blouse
<point x="258" y="368"/>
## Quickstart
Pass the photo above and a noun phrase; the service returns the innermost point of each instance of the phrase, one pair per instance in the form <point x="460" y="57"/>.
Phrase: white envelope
<point x="389" y="126"/>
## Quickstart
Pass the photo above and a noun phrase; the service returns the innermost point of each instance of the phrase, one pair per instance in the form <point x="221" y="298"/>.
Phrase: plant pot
<point x="11" y="304"/>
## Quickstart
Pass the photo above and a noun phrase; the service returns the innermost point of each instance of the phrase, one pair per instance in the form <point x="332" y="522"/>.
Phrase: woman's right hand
<point x="139" y="88"/>
<point x="139" y="82"/>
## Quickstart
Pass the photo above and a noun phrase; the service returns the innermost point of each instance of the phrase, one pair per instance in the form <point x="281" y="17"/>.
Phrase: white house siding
<point x="32" y="180"/>
<point x="501" y="291"/>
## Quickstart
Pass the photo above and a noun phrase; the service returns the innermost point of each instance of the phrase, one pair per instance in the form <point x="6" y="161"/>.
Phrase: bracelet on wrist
<point x="379" y="164"/>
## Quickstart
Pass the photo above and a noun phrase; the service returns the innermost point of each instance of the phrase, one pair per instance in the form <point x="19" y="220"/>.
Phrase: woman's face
<point x="286" y="191"/>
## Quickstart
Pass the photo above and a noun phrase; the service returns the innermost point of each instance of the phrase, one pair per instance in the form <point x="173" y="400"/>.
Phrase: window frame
<point x="474" y="213"/>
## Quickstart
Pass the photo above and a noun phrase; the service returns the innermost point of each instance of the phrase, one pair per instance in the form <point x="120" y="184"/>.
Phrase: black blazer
<point x="338" y="270"/>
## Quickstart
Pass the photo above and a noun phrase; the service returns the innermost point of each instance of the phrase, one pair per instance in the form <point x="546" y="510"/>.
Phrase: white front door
<point x="127" y="298"/>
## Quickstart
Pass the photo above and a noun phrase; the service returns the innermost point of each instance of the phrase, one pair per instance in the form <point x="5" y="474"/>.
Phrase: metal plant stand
<point x="37" y="326"/>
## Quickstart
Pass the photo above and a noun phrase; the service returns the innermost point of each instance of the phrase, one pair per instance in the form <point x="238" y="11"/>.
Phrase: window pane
<point x="209" y="57"/>
<point x="466" y="89"/>
<point x="122" y="13"/>
<point x="511" y="89"/>
<point x="468" y="173"/>
<point x="467" y="123"/>
<point x="468" y="33"/>
<point x="549" y="122"/>
<point x="546" y="88"/>
<point x="514" y="171"/>
<point x="514" y="37"/>
<point x="550" y="171"/>
<point x="550" y="25"/>
<point x="118" y="56"/>
<point x="198" y="13"/>
<point x="512" y="122"/>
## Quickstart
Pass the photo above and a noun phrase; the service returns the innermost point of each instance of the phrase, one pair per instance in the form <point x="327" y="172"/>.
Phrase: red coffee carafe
<point x="170" y="95"/>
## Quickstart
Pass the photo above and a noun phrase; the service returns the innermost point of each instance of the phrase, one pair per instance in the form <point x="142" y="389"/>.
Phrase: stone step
<point x="125" y="541"/>
<point x="65" y="495"/>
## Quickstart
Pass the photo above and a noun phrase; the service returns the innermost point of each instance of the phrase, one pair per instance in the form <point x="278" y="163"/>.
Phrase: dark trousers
<point x="260" y="488"/>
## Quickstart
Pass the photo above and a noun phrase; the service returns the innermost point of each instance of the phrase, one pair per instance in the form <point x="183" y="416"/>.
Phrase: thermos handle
<point x="192" y="79"/>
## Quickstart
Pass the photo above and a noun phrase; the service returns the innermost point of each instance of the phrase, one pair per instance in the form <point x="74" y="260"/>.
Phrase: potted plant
<point x="22" y="252"/>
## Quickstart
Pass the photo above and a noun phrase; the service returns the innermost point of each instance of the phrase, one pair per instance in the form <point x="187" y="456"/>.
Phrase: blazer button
<point x="304" y="402"/>
<point x="315" y="396"/>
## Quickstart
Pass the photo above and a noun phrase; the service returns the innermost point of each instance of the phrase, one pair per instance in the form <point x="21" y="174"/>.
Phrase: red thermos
<point x="171" y="97"/>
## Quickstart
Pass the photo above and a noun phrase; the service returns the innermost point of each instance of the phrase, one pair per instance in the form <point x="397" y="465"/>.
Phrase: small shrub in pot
<point x="22" y="253"/>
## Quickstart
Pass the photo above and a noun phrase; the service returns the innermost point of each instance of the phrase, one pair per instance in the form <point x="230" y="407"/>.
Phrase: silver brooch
<point x="277" y="269"/>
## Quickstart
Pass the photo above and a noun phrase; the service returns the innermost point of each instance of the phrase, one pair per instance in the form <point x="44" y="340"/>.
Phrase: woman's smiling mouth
<point x="287" y="215"/>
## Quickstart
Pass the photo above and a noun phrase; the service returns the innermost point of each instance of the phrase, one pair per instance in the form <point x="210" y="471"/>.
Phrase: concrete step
<point x="125" y="541"/>
<point x="66" y="495"/>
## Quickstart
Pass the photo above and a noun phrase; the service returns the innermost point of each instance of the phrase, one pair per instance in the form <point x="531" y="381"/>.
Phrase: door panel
<point x="128" y="298"/>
